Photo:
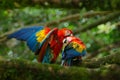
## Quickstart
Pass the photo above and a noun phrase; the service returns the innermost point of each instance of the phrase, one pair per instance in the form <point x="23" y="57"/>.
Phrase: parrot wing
<point x="73" y="49"/>
<point x="37" y="39"/>
<point x="30" y="35"/>
<point x="44" y="49"/>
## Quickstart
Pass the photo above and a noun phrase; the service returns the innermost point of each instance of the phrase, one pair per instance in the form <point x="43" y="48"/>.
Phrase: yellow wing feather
<point x="78" y="47"/>
<point x="40" y="35"/>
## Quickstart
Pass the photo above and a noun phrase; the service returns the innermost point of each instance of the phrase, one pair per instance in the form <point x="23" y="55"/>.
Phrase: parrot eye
<point x="65" y="41"/>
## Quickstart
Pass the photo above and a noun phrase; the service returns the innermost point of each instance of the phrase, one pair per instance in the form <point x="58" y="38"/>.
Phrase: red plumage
<point x="57" y="41"/>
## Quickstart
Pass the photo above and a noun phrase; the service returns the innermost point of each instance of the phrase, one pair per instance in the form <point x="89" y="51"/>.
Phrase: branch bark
<point x="79" y="4"/>
<point x="96" y="63"/>
<point x="3" y="37"/>
<point x="106" y="48"/>
<point x="21" y="69"/>
<point x="77" y="17"/>
<point x="104" y="19"/>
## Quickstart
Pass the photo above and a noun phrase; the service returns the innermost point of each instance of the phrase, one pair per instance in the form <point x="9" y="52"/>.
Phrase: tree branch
<point x="22" y="69"/>
<point x="70" y="17"/>
<point x="106" y="48"/>
<point x="104" y="19"/>
<point x="77" y="4"/>
<point x="77" y="17"/>
<point x="95" y="63"/>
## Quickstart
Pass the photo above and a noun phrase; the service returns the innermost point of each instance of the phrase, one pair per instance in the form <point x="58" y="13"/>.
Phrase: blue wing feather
<point x="24" y="37"/>
<point x="71" y="52"/>
<point x="25" y="33"/>
<point x="28" y="35"/>
<point x="31" y="42"/>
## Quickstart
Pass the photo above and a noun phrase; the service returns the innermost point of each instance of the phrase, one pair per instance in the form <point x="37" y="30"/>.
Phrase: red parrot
<point x="73" y="50"/>
<point x="43" y="41"/>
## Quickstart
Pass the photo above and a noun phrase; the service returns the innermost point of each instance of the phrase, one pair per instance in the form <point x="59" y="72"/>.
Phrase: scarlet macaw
<point x="43" y="41"/>
<point x="72" y="52"/>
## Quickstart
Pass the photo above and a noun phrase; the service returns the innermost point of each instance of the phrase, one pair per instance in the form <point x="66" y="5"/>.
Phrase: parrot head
<point x="63" y="33"/>
<point x="73" y="51"/>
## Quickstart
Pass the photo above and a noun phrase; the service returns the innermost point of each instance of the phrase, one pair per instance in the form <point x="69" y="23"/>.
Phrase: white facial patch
<point x="67" y="40"/>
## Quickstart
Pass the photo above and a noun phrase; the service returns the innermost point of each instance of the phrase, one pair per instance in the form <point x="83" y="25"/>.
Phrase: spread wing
<point x="31" y="36"/>
<point x="37" y="39"/>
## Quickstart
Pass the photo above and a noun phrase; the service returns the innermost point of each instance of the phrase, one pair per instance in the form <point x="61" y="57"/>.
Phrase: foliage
<point x="101" y="41"/>
<point x="102" y="35"/>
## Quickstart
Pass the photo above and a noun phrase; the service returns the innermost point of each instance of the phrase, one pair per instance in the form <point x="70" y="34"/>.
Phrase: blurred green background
<point x="102" y="39"/>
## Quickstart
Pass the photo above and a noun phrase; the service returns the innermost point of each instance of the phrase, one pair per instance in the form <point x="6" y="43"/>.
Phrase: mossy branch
<point x="25" y="70"/>
<point x="96" y="63"/>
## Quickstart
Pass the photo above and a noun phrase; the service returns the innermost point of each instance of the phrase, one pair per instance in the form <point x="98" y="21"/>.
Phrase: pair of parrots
<point x="49" y="43"/>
